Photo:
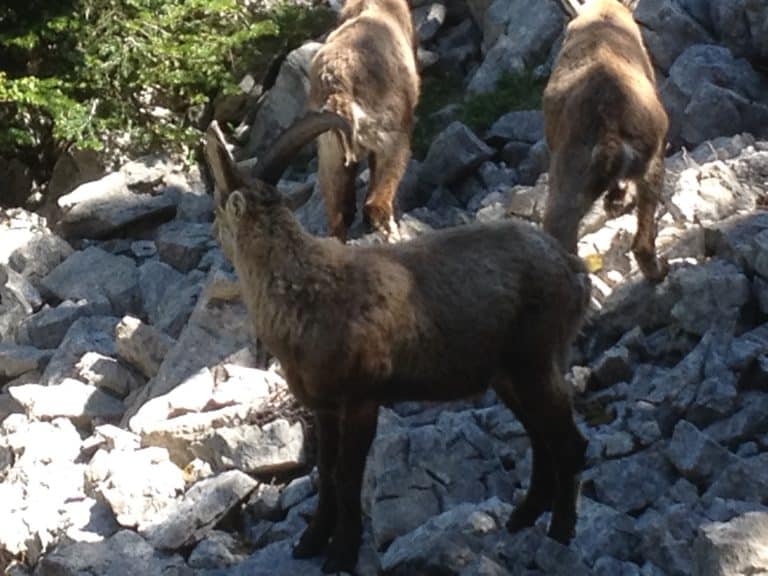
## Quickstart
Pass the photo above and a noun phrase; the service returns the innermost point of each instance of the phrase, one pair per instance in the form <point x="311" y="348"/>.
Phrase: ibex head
<point x="237" y="196"/>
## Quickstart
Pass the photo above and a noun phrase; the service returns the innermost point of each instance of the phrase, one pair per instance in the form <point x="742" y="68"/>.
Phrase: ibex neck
<point x="284" y="273"/>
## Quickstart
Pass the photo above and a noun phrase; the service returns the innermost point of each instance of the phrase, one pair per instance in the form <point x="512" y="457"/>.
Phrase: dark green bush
<point x="87" y="72"/>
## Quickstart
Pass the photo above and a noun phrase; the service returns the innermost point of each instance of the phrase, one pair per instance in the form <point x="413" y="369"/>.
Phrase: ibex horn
<point x="270" y="168"/>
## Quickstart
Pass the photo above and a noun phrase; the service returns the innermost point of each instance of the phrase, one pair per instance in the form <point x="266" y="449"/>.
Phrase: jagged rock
<point x="40" y="253"/>
<point x="285" y="101"/>
<point x="607" y="566"/>
<point x="602" y="530"/>
<point x="91" y="334"/>
<point x="667" y="535"/>
<point x="107" y="373"/>
<point x="47" y="327"/>
<point x="72" y="399"/>
<point x="454" y="153"/>
<point x="274" y="447"/>
<point x="748" y="346"/>
<point x="630" y="484"/>
<point x="734" y="547"/>
<point x="741" y="26"/>
<point x="216" y="329"/>
<point x="515" y="31"/>
<point x="94" y="273"/>
<point x="747" y="422"/>
<point x="710" y="296"/>
<point x="526" y="126"/>
<point x="264" y="502"/>
<point x="124" y="553"/>
<point x="428" y="19"/>
<point x="14" y="306"/>
<point x="449" y="540"/>
<point x="32" y="506"/>
<point x="141" y="345"/>
<point x="274" y="559"/>
<point x="155" y="281"/>
<point x="16" y="360"/>
<point x="497" y="62"/>
<point x="203" y="505"/>
<point x="710" y="193"/>
<point x="417" y="473"/>
<point x="668" y="30"/>
<point x="217" y="550"/>
<point x="744" y="479"/>
<point x="182" y="244"/>
<point x="104" y="207"/>
<point x="297" y="490"/>
<point x="696" y="455"/>
<point x="614" y="366"/>
<point x="459" y="47"/>
<point x="138" y="485"/>
<point x="710" y="93"/>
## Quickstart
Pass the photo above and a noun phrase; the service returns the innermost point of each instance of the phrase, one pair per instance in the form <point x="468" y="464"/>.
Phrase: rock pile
<point x="141" y="434"/>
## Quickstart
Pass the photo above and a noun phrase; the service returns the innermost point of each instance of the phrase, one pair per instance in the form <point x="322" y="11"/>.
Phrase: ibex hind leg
<point x="337" y="184"/>
<point x="315" y="537"/>
<point x="388" y="165"/>
<point x="543" y="406"/>
<point x="649" y="188"/>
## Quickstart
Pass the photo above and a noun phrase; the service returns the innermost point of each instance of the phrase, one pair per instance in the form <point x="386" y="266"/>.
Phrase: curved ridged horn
<point x="270" y="168"/>
<point x="222" y="165"/>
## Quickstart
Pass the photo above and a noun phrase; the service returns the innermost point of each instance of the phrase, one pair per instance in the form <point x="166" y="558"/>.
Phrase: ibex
<point x="605" y="126"/>
<point x="438" y="318"/>
<point x="366" y="73"/>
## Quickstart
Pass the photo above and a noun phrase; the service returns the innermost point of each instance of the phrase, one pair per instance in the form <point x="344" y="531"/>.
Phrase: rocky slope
<point x="141" y="434"/>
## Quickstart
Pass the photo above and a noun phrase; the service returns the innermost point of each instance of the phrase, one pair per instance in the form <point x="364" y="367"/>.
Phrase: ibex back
<point x="605" y="125"/>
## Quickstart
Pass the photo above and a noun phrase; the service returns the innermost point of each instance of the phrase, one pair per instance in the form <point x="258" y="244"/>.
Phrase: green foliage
<point x="478" y="111"/>
<point x="132" y="69"/>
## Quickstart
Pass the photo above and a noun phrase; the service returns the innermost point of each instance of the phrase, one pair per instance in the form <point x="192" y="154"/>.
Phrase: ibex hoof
<point x="381" y="220"/>
<point x="310" y="544"/>
<point x="654" y="269"/>
<point x="340" y="559"/>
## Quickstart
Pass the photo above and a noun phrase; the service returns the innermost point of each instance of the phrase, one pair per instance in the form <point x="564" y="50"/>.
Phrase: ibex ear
<point x="223" y="167"/>
<point x="236" y="204"/>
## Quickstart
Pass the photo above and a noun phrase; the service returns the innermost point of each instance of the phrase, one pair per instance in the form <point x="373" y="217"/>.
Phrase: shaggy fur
<point x="366" y="73"/>
<point x="439" y="318"/>
<point x="605" y="125"/>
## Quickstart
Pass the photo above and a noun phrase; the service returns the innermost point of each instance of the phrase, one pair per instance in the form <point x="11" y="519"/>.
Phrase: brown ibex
<point x="605" y="126"/>
<point x="438" y="318"/>
<point x="366" y="73"/>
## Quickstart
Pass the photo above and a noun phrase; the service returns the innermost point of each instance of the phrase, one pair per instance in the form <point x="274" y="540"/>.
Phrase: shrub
<point x="90" y="72"/>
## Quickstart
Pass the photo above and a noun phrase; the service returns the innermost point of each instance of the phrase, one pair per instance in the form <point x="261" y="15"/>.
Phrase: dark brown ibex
<point x="366" y="73"/>
<point x="438" y="318"/>
<point x="605" y="126"/>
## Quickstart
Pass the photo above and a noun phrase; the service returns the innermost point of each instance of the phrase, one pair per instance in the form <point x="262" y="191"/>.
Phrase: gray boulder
<point x="200" y="510"/>
<point x="454" y="153"/>
<point x="709" y="93"/>
<point x="93" y="274"/>
<point x="733" y="547"/>
<point x="104" y="207"/>
<point x="124" y="553"/>
<point x="285" y="101"/>
<point x="668" y="30"/>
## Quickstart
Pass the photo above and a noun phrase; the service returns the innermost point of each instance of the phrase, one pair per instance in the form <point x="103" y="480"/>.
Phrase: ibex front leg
<point x="358" y="427"/>
<point x="315" y="537"/>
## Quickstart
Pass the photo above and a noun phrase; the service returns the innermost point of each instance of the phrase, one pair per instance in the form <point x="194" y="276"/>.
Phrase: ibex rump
<point x="605" y="125"/>
<point x="438" y="318"/>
